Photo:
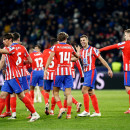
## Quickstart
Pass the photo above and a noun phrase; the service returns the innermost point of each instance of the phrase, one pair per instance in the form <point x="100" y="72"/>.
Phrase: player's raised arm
<point x="4" y="51"/>
<point x="110" y="73"/>
<point x="115" y="46"/>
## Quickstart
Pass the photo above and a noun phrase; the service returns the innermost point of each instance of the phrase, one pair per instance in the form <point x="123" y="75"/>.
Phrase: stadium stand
<point x="39" y="20"/>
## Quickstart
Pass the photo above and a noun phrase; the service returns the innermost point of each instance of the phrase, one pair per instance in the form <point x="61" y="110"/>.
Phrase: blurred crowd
<point x="103" y="21"/>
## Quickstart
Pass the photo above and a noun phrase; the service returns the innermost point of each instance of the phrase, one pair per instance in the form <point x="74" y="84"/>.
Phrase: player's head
<point x="16" y="37"/>
<point x="84" y="40"/>
<point x="7" y="39"/>
<point x="31" y="50"/>
<point x="62" y="37"/>
<point x="37" y="48"/>
<point x="53" y="41"/>
<point x="127" y="34"/>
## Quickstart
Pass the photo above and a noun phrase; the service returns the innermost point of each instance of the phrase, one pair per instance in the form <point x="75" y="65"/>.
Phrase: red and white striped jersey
<point x="77" y="63"/>
<point x="11" y="61"/>
<point x="125" y="48"/>
<point x="63" y="54"/>
<point x="88" y="57"/>
<point x="52" y="67"/>
<point x="25" y="71"/>
<point x="37" y="60"/>
<point x="22" y="54"/>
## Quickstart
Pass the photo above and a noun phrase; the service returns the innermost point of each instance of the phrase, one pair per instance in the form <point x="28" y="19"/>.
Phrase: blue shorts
<point x="37" y="78"/>
<point x="63" y="80"/>
<point x="25" y="83"/>
<point x="13" y="86"/>
<point x="127" y="78"/>
<point x="48" y="84"/>
<point x="28" y="78"/>
<point x="63" y="88"/>
<point x="90" y="78"/>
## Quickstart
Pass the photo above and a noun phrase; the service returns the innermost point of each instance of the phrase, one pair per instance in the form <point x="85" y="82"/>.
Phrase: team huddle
<point x="53" y="70"/>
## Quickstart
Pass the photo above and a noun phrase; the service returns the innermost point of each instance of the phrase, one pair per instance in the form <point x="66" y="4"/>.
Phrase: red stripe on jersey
<point x="126" y="77"/>
<point x="25" y="71"/>
<point x="92" y="77"/>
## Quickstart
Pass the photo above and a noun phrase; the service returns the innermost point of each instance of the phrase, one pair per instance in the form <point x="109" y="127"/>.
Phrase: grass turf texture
<point x="112" y="104"/>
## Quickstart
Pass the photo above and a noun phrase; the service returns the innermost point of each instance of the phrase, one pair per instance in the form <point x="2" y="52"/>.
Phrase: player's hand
<point x="3" y="71"/>
<point x="77" y="48"/>
<point x="45" y="73"/>
<point x="110" y="73"/>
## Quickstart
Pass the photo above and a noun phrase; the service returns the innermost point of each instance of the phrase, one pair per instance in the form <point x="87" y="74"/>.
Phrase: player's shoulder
<point x="46" y="50"/>
<point x="122" y="43"/>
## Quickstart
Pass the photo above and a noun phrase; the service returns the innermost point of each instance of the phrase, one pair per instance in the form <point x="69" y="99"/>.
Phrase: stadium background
<point x="103" y="21"/>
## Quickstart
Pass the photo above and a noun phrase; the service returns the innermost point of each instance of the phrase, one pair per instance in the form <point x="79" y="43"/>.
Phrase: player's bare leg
<point x="38" y="92"/>
<point x="127" y="88"/>
<point x="58" y="101"/>
<point x="78" y="104"/>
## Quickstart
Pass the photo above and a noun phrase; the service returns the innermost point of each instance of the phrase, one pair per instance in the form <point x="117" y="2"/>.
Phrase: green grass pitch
<point x="112" y="104"/>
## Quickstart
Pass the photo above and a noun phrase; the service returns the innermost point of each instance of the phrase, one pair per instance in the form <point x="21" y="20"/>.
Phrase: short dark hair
<point x="84" y="36"/>
<point x="8" y="36"/>
<point x="53" y="41"/>
<point x="39" y="47"/>
<point x="62" y="36"/>
<point x="16" y="36"/>
<point x="127" y="31"/>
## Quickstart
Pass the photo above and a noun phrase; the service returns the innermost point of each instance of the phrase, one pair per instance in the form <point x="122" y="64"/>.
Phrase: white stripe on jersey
<point x="51" y="75"/>
<point x="86" y="57"/>
<point x="62" y="71"/>
<point x="57" y="71"/>
<point x="70" y="71"/>
<point x="47" y="75"/>
<point x="66" y="70"/>
<point x="90" y="55"/>
<point x="9" y="67"/>
<point x="122" y="47"/>
<point x="126" y="67"/>
<point x="6" y="76"/>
